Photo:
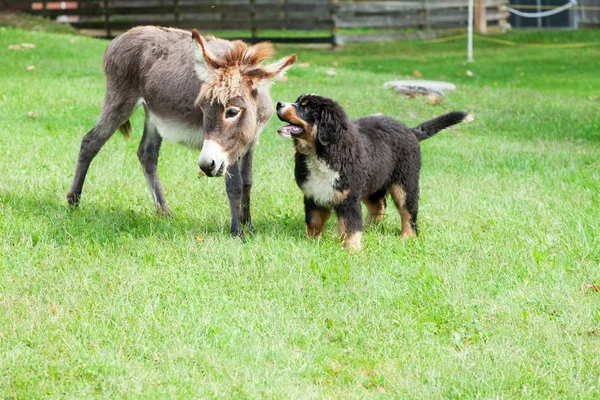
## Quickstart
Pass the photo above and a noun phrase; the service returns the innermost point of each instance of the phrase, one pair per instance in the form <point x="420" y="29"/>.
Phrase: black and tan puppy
<point x="340" y="163"/>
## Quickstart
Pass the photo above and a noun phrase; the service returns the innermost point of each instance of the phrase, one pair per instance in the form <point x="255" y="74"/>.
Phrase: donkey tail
<point x="126" y="129"/>
<point x="429" y="128"/>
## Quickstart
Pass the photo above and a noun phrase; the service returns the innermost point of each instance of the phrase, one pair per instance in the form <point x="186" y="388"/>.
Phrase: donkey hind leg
<point x="111" y="118"/>
<point x="148" y="156"/>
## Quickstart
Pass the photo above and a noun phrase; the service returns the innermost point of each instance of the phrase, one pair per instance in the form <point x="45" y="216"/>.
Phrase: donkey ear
<point x="205" y="60"/>
<point x="272" y="70"/>
<point x="279" y="67"/>
<point x="332" y="123"/>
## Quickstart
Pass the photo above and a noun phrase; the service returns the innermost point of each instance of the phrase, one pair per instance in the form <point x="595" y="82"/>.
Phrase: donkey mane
<point x="247" y="57"/>
<point x="233" y="72"/>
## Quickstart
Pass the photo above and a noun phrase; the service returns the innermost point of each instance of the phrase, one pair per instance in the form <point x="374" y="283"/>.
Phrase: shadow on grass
<point x="45" y="217"/>
<point x="44" y="212"/>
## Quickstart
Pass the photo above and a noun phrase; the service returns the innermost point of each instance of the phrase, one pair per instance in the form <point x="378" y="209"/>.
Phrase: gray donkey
<point x="207" y="93"/>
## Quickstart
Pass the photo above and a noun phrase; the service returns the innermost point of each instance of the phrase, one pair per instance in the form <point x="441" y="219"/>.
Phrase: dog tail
<point x="429" y="128"/>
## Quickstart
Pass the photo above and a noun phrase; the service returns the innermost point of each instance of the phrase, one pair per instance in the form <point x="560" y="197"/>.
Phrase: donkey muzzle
<point x="213" y="159"/>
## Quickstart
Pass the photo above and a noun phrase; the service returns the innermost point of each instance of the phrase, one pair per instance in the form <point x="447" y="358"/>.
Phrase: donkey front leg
<point x="234" y="187"/>
<point x="148" y="156"/>
<point x="247" y="187"/>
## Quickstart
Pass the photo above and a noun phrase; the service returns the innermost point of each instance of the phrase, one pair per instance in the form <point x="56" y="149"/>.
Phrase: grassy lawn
<point x="111" y="301"/>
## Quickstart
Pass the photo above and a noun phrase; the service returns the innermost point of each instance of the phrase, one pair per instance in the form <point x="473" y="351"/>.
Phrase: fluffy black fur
<point x="370" y="157"/>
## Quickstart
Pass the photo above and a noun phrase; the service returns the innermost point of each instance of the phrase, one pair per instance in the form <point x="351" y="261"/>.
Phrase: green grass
<point x="112" y="301"/>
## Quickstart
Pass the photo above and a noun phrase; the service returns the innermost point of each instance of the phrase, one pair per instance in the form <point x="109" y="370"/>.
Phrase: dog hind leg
<point x="375" y="206"/>
<point x="407" y="205"/>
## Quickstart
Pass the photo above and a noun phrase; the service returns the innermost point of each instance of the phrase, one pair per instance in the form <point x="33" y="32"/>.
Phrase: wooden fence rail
<point x="108" y="17"/>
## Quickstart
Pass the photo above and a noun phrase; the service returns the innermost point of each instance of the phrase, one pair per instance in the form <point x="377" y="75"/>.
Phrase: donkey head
<point x="233" y="98"/>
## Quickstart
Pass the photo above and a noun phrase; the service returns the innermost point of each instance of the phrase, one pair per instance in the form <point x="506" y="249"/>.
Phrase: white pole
<point x="470" y="34"/>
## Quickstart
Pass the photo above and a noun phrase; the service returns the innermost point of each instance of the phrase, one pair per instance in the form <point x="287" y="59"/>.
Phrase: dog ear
<point x="332" y="123"/>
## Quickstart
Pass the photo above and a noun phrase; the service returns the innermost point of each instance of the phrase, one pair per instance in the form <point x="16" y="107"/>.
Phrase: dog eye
<point x="232" y="112"/>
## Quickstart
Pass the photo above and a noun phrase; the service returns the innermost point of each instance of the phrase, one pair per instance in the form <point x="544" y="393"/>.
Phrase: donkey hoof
<point x="248" y="227"/>
<point x="164" y="212"/>
<point x="73" y="199"/>
<point x="237" y="232"/>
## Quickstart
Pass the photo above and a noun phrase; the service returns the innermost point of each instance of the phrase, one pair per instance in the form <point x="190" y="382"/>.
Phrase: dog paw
<point x="352" y="242"/>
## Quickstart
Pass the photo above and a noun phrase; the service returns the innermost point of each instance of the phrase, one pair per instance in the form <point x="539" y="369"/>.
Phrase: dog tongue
<point x="290" y="129"/>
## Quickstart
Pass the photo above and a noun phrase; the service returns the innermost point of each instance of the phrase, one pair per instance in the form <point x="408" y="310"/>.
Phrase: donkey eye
<point x="232" y="112"/>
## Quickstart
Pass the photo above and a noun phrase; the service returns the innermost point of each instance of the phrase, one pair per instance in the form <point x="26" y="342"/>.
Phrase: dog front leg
<point x="233" y="185"/>
<point x="350" y="224"/>
<point x="315" y="217"/>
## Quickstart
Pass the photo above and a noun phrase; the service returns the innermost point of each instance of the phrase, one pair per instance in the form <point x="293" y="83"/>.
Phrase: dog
<point x="339" y="163"/>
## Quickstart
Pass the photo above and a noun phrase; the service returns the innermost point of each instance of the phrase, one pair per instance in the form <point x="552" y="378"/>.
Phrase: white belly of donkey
<point x="177" y="132"/>
<point x="320" y="183"/>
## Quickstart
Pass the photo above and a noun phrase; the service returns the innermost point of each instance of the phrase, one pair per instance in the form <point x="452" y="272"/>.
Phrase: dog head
<point x="313" y="119"/>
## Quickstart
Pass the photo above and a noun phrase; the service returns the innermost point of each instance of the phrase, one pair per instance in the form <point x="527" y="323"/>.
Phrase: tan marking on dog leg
<point x="342" y="228"/>
<point x="375" y="210"/>
<point x="317" y="221"/>
<point x="353" y="242"/>
<point x="399" y="196"/>
<point x="407" y="230"/>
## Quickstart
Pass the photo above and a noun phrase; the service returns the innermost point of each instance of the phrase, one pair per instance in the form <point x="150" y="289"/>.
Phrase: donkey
<point x="207" y="93"/>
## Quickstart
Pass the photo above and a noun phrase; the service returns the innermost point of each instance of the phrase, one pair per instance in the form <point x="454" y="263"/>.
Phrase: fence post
<point x="423" y="15"/>
<point x="334" y="4"/>
<point x="253" y="28"/>
<point x="176" y="11"/>
<point x="106" y="19"/>
<point x="481" y="16"/>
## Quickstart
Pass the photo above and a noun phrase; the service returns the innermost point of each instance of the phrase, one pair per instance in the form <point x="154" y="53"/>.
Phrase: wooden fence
<point x="421" y="15"/>
<point x="250" y="18"/>
<point x="589" y="13"/>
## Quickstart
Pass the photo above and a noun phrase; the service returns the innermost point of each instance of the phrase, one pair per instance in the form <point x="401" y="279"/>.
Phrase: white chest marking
<point x="319" y="184"/>
<point x="177" y="132"/>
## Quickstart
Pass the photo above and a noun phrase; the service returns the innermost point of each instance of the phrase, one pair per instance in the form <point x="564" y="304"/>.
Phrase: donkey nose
<point x="213" y="159"/>
<point x="210" y="170"/>
<point x="210" y="167"/>
<point x="280" y="104"/>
